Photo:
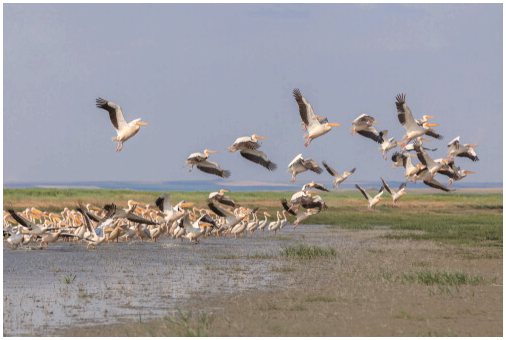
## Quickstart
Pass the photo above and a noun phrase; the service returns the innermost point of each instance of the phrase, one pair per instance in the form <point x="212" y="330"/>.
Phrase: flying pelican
<point x="220" y="197"/>
<point x="396" y="195"/>
<point x="424" y="175"/>
<point x="413" y="130"/>
<point x="299" y="165"/>
<point x="426" y="160"/>
<point x="372" y="200"/>
<point x="363" y="125"/>
<point x="338" y="179"/>
<point x="313" y="185"/>
<point x="247" y="142"/>
<point x="455" y="149"/>
<point x="198" y="157"/>
<point x="300" y="214"/>
<point x="213" y="169"/>
<point x="259" y="157"/>
<point x="316" y="126"/>
<point x="171" y="213"/>
<point x="124" y="130"/>
<point x="387" y="145"/>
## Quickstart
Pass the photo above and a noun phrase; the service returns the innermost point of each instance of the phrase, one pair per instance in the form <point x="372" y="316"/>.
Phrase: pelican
<point x="171" y="213"/>
<point x="259" y="157"/>
<point x="299" y="165"/>
<point x="198" y="157"/>
<point x="387" y="144"/>
<point x="460" y="175"/>
<point x="274" y="226"/>
<point x="14" y="240"/>
<point x="248" y="142"/>
<point x="316" y="126"/>
<point x="413" y="130"/>
<point x="363" y="125"/>
<point x="213" y="169"/>
<point x="455" y="149"/>
<point x="426" y="160"/>
<point x="219" y="196"/>
<point x="262" y="224"/>
<point x="338" y="179"/>
<point x="300" y="214"/>
<point x="373" y="201"/>
<point x="124" y="130"/>
<point x="396" y="195"/>
<point x="313" y="185"/>
<point x="429" y="180"/>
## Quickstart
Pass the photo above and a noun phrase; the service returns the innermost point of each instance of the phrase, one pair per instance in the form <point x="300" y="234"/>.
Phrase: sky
<point x="203" y="75"/>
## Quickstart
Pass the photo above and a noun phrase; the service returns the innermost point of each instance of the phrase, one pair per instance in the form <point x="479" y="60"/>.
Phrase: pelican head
<point x="429" y="125"/>
<point x="427" y="117"/>
<point x="256" y="137"/>
<point x="185" y="205"/>
<point x="222" y="191"/>
<point x="267" y="214"/>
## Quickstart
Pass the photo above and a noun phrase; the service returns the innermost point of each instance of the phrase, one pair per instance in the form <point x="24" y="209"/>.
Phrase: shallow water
<point x="139" y="280"/>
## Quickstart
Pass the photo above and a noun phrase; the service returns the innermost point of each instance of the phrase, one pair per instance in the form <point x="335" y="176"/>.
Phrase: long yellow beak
<point x="260" y="137"/>
<point x="142" y="123"/>
<point x="186" y="205"/>
<point x="212" y="151"/>
<point x="334" y="124"/>
<point x="431" y="124"/>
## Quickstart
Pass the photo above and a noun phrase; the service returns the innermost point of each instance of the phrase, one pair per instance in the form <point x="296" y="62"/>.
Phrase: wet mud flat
<point x="373" y="285"/>
<point x="68" y="285"/>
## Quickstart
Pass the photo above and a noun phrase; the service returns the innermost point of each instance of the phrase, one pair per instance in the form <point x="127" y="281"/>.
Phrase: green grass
<point x="442" y="278"/>
<point x="307" y="252"/>
<point x="461" y="218"/>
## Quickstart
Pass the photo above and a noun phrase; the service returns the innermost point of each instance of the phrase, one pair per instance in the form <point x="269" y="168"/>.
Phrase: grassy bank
<point x="455" y="217"/>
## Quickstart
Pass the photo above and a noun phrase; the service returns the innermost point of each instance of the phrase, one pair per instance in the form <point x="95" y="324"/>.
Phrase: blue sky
<point x="203" y="75"/>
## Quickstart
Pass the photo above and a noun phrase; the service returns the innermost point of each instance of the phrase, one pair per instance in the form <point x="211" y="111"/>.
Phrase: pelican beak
<point x="212" y="151"/>
<point x="186" y="205"/>
<point x="142" y="123"/>
<point x="334" y="124"/>
<point x="225" y="190"/>
<point x="353" y="130"/>
<point x="429" y="117"/>
<point x="267" y="214"/>
<point x="469" y="172"/>
<point x="260" y="137"/>
<point x="430" y="124"/>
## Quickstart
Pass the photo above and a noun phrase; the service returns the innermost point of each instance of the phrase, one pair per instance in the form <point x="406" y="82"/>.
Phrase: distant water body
<point x="218" y="184"/>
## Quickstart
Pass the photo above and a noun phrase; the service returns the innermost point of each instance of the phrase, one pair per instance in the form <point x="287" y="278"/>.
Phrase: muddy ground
<point x="373" y="286"/>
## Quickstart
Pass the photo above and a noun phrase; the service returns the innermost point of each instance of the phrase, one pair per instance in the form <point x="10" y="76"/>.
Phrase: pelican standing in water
<point x="315" y="125"/>
<point x="124" y="130"/>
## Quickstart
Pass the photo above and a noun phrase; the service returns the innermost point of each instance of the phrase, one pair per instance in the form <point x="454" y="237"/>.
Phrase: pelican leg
<point x="308" y="141"/>
<point x="119" y="147"/>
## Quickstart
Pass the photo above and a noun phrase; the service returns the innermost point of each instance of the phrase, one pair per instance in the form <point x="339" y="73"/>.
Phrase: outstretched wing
<point x="386" y="186"/>
<point x="115" y="113"/>
<point x="366" y="195"/>
<point x="330" y="170"/>
<point x="259" y="157"/>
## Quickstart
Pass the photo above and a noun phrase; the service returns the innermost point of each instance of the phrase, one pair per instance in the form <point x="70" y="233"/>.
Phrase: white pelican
<point x="247" y="142"/>
<point x="274" y="226"/>
<point x="460" y="175"/>
<point x="316" y="126"/>
<point x="426" y="160"/>
<point x="455" y="149"/>
<point x="387" y="145"/>
<point x="371" y="200"/>
<point x="429" y="180"/>
<point x="213" y="169"/>
<point x="300" y="214"/>
<point x="313" y="185"/>
<point x="299" y="165"/>
<point x="124" y="130"/>
<point x="396" y="195"/>
<point x="413" y="130"/>
<point x="198" y="157"/>
<point x="338" y="179"/>
<point x="363" y="125"/>
<point x="262" y="224"/>
<point x="259" y="157"/>
<point x="219" y="196"/>
<point x="14" y="240"/>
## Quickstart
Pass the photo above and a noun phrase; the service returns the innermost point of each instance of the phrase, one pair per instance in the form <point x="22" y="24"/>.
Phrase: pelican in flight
<point x="198" y="157"/>
<point x="430" y="132"/>
<point x="387" y="145"/>
<point x="315" y="125"/>
<point x="313" y="185"/>
<point x="413" y="130"/>
<point x="299" y="164"/>
<point x="363" y="125"/>
<point x="124" y="130"/>
<point x="455" y="149"/>
<point x="428" y="179"/>
<point x="220" y="197"/>
<point x="247" y="142"/>
<point x="338" y="179"/>
<point x="426" y="160"/>
<point x="396" y="194"/>
<point x="372" y="200"/>
<point x="259" y="157"/>
<point x="213" y="169"/>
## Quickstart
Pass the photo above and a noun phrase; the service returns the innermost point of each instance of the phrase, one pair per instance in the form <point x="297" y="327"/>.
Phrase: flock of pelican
<point x="223" y="216"/>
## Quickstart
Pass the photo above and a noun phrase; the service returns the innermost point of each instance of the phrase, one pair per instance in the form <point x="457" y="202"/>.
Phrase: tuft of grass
<point x="442" y="278"/>
<point x="307" y="252"/>
<point x="69" y="278"/>
<point x="187" y="324"/>
<point x="320" y="298"/>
